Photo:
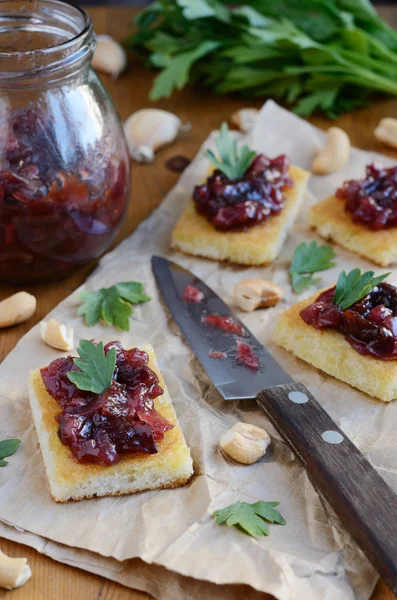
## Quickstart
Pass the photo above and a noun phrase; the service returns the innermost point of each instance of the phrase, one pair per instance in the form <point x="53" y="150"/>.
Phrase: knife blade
<point x="339" y="472"/>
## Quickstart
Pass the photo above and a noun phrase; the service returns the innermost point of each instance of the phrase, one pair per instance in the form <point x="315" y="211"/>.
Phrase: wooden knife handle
<point x="364" y="503"/>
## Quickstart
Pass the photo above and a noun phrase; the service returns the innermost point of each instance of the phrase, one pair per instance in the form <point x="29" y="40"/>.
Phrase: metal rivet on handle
<point x="298" y="397"/>
<point x="332" y="437"/>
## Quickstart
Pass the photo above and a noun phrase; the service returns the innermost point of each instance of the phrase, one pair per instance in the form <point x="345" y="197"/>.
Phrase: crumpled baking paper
<point x="166" y="542"/>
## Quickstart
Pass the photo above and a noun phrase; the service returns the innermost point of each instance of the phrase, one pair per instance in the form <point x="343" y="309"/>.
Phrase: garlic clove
<point x="150" y="129"/>
<point x="245" y="443"/>
<point x="14" y="572"/>
<point x="109" y="56"/>
<point x="16" y="309"/>
<point x="57" y="335"/>
<point x="386" y="132"/>
<point x="245" y="118"/>
<point x="257" y="293"/>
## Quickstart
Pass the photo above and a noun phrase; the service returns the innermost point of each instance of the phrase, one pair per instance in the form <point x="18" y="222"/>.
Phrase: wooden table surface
<point x="52" y="580"/>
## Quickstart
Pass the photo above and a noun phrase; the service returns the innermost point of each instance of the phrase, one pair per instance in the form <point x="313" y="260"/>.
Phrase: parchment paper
<point x="167" y="539"/>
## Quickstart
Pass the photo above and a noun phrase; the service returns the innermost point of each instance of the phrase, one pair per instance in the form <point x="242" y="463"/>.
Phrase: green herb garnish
<point x="234" y="162"/>
<point x="113" y="305"/>
<point x="309" y="259"/>
<point x="250" y="518"/>
<point x="96" y="369"/>
<point x="332" y="55"/>
<point x="353" y="286"/>
<point x="8" y="448"/>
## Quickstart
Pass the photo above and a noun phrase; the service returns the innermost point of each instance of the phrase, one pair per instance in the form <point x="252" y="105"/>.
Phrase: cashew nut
<point x="16" y="309"/>
<point x="245" y="443"/>
<point x="57" y="335"/>
<point x="245" y="118"/>
<point x="148" y="130"/>
<point x="335" y="154"/>
<point x="14" y="572"/>
<point x="257" y="293"/>
<point x="109" y="57"/>
<point x="386" y="132"/>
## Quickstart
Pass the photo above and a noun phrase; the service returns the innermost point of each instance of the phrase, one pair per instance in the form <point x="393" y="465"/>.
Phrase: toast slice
<point x="70" y="480"/>
<point x="259" y="245"/>
<point x="328" y="351"/>
<point x="332" y="222"/>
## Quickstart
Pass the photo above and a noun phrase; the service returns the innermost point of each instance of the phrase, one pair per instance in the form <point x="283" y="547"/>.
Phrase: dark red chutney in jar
<point x="99" y="428"/>
<point x="369" y="325"/>
<point x="64" y="165"/>
<point x="372" y="201"/>
<point x="51" y="218"/>
<point x="241" y="203"/>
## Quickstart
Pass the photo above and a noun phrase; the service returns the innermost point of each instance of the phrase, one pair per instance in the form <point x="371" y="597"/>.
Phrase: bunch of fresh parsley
<point x="327" y="55"/>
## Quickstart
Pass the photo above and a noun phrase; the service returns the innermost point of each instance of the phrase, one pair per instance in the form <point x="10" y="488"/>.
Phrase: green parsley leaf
<point x="175" y="73"/>
<point x="250" y="518"/>
<point x="96" y="369"/>
<point x="308" y="259"/>
<point x="233" y="163"/>
<point x="353" y="286"/>
<point x="8" y="448"/>
<point x="113" y="304"/>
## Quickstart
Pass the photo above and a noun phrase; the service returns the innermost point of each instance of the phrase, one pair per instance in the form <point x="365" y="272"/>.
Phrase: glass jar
<point x="64" y="166"/>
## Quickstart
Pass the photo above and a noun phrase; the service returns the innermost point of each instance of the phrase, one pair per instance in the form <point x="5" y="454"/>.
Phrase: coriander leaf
<point x="253" y="17"/>
<point x="250" y="518"/>
<point x="96" y="368"/>
<point x="353" y="286"/>
<point x="300" y="283"/>
<point x="308" y="259"/>
<point x="198" y="9"/>
<point x="91" y="306"/>
<point x="113" y="304"/>
<point x="3" y="463"/>
<point x="233" y="163"/>
<point x="9" y="447"/>
<point x="175" y="74"/>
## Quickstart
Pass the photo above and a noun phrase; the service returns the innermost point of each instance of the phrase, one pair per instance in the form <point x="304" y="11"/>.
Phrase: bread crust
<point x="328" y="351"/>
<point x="334" y="223"/>
<point x="70" y="480"/>
<point x="260" y="245"/>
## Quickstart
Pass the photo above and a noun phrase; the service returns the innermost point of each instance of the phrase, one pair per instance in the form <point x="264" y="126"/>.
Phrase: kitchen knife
<point x="364" y="503"/>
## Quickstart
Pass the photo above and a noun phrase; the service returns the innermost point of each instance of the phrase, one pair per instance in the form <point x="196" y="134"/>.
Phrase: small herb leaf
<point x="3" y="463"/>
<point x="233" y="163"/>
<point x="250" y="518"/>
<point x="96" y="369"/>
<point x="353" y="286"/>
<point x="309" y="259"/>
<point x="113" y="305"/>
<point x="8" y="447"/>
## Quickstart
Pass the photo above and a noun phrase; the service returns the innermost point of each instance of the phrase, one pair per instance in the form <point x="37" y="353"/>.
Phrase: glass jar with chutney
<point x="64" y="167"/>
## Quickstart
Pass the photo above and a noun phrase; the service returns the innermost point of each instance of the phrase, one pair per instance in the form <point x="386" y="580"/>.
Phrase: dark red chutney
<point x="373" y="200"/>
<point x="370" y="325"/>
<point x="225" y="323"/>
<point x="98" y="428"/>
<point x="52" y="217"/>
<point x="241" y="203"/>
<point x="192" y="294"/>
<point x="246" y="356"/>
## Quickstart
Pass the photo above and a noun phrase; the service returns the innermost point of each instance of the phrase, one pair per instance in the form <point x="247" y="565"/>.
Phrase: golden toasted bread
<point x="334" y="223"/>
<point x="70" y="480"/>
<point x="328" y="351"/>
<point x="259" y="245"/>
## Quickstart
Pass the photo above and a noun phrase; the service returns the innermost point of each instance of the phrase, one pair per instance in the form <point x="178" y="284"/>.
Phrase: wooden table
<point x="52" y="580"/>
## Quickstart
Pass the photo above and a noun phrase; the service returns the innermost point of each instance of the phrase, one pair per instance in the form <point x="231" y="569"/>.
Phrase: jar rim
<point x="48" y="57"/>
